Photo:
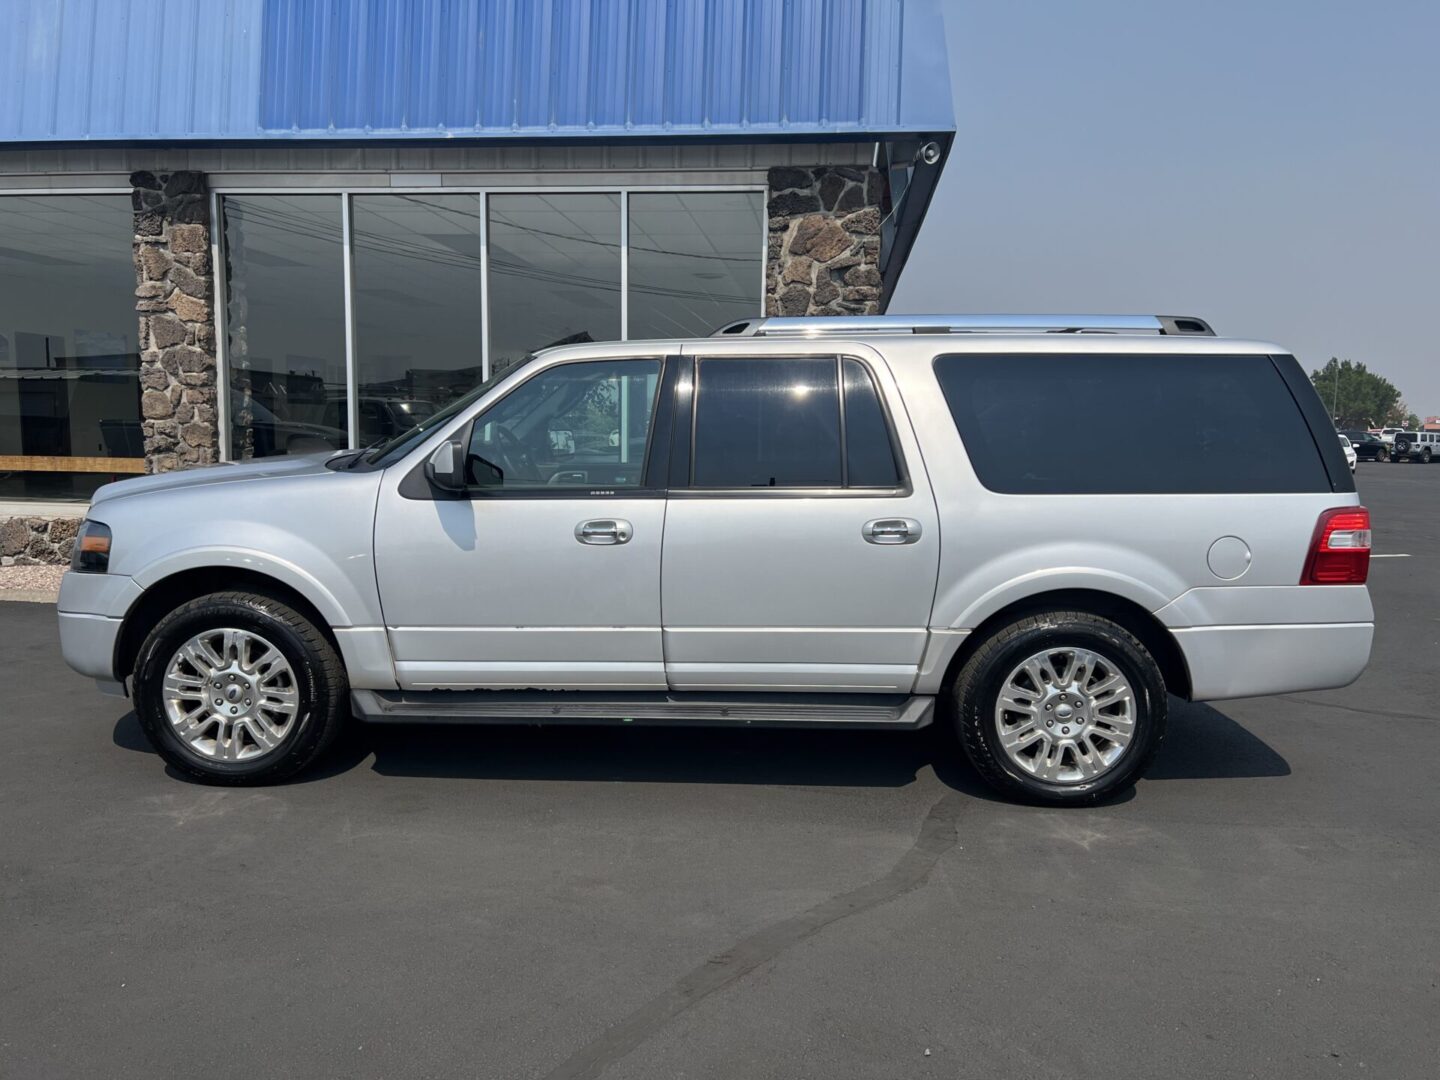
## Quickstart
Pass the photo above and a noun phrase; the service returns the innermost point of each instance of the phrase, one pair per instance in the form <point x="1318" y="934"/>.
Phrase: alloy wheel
<point x="230" y="695"/>
<point x="1066" y="716"/>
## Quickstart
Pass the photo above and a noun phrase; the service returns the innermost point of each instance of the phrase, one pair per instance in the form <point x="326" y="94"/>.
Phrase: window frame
<point x="682" y="459"/>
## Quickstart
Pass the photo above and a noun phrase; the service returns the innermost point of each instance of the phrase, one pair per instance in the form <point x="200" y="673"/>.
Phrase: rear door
<point x="801" y="539"/>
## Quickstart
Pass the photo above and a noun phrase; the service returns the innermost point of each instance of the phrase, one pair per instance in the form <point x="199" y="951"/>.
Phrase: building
<point x="272" y="226"/>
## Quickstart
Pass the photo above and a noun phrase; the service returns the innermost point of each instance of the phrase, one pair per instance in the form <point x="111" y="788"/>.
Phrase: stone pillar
<point x="824" y="248"/>
<point x="175" y="286"/>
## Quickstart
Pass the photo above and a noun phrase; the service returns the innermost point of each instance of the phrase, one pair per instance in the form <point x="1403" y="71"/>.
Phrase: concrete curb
<point x="29" y="596"/>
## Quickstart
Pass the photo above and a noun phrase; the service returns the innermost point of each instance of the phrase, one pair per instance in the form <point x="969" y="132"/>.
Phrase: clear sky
<point x="1270" y="165"/>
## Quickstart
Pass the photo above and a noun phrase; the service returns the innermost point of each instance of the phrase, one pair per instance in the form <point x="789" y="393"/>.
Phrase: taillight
<point x="1340" y="548"/>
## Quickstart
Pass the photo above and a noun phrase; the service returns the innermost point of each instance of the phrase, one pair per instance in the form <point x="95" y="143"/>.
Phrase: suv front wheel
<point x="1061" y="707"/>
<point x="239" y="688"/>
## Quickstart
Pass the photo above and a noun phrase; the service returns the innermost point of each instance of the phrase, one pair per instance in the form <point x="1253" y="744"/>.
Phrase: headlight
<point x="92" y="548"/>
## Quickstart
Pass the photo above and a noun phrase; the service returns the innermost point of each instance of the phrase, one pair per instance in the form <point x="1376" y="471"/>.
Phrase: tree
<point x="1356" y="397"/>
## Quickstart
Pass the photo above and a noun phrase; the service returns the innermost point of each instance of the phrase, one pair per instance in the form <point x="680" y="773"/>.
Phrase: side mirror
<point x="445" y="468"/>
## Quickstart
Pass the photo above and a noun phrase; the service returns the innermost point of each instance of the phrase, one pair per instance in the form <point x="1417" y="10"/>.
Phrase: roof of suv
<point x="926" y="335"/>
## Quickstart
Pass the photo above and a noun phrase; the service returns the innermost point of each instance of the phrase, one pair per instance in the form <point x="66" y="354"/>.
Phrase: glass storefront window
<point x="554" y="272"/>
<point x="695" y="261"/>
<point x="285" y="314"/>
<point x="69" y="362"/>
<point x="417" y="307"/>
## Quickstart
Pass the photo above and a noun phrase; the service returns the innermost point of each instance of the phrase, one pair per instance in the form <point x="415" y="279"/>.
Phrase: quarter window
<point x="869" y="453"/>
<point x="1192" y="424"/>
<point x="582" y="425"/>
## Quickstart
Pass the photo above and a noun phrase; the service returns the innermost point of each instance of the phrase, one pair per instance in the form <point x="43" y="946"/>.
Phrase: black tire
<point x="1425" y="456"/>
<point x="319" y="677"/>
<point x="978" y="684"/>
<point x="1383" y="455"/>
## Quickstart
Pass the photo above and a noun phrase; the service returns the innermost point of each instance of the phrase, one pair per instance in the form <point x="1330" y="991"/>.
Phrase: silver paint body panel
<point x="732" y="592"/>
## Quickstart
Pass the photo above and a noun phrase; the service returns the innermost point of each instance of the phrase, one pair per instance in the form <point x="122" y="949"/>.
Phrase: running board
<point x="583" y="707"/>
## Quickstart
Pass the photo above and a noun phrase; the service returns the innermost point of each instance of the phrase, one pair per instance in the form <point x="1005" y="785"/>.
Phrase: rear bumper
<point x="1251" y="661"/>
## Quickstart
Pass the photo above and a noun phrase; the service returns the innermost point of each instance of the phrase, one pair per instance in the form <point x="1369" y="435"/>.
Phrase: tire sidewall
<point x="210" y="613"/>
<point x="1116" y="647"/>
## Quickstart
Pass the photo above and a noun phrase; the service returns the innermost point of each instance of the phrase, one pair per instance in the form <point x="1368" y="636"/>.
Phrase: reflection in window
<point x="767" y="423"/>
<point x="285" y="305"/>
<point x="417" y="308"/>
<point x="572" y="426"/>
<point x="695" y="261"/>
<point x="69" y="365"/>
<point x="554" y="273"/>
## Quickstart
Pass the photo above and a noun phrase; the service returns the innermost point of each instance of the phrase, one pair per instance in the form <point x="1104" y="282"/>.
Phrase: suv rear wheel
<point x="239" y="688"/>
<point x="1061" y="707"/>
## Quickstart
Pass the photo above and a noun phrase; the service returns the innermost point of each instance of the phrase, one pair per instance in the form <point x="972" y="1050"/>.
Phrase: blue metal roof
<point x="178" y="70"/>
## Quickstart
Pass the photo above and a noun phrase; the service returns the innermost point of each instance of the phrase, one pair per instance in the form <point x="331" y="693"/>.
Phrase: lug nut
<point x="247" y="702"/>
<point x="1049" y="723"/>
<point x="1048" y="707"/>
<point x="1063" y="730"/>
<point x="233" y="710"/>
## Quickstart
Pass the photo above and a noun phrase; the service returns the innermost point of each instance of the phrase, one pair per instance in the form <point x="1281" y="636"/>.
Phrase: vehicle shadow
<point x="1202" y="743"/>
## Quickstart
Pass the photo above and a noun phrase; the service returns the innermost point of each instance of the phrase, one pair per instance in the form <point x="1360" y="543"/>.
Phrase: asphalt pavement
<point x="643" y="903"/>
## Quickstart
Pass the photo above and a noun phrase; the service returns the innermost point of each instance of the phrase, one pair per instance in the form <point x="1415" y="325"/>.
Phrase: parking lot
<point x="634" y="902"/>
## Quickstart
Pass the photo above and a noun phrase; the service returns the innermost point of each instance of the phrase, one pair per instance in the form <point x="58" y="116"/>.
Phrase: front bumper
<point x="92" y="608"/>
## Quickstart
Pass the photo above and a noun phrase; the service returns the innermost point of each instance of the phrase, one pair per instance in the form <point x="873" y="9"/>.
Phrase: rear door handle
<point x="891" y="531"/>
<point x="604" y="531"/>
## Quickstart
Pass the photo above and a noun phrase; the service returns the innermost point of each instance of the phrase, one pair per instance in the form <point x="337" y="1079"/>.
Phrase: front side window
<point x="583" y="425"/>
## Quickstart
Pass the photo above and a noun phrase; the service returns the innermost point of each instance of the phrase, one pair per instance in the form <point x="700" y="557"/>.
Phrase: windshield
<point x="392" y="451"/>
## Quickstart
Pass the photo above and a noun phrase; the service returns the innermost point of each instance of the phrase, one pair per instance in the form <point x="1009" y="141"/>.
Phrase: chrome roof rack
<point x="847" y="325"/>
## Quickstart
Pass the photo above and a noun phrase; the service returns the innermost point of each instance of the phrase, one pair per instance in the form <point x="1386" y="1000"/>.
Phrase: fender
<point x="282" y="570"/>
<point x="1022" y="587"/>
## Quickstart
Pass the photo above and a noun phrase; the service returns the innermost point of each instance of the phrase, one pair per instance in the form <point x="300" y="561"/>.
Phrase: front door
<point x="800" y="551"/>
<point x="547" y="573"/>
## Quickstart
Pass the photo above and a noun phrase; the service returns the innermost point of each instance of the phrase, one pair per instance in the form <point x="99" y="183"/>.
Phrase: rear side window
<point x="1173" y="424"/>
<point x="767" y="423"/>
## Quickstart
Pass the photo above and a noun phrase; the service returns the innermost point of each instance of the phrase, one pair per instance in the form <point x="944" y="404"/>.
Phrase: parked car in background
<point x="1367" y="445"/>
<point x="1387" y="435"/>
<point x="1350" y="457"/>
<point x="855" y="522"/>
<point x="1422" y="446"/>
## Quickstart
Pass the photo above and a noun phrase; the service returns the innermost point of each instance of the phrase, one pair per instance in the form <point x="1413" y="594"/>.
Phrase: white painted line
<point x="1389" y="556"/>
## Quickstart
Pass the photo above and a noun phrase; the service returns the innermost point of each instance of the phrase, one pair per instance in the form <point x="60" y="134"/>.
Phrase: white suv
<point x="845" y="522"/>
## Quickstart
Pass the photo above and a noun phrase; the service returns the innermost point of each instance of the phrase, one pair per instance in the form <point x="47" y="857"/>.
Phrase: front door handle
<point x="604" y="531"/>
<point x="891" y="531"/>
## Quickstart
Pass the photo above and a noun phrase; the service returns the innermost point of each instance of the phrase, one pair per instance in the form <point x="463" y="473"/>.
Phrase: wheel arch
<point x="1126" y="613"/>
<point x="167" y="593"/>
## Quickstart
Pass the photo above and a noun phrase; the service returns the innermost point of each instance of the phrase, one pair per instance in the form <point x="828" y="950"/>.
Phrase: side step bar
<point x="582" y="707"/>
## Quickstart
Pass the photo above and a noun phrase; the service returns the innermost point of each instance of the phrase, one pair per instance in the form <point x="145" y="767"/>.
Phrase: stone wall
<point x="824" y="246"/>
<point x="32" y="541"/>
<point x="175" y="286"/>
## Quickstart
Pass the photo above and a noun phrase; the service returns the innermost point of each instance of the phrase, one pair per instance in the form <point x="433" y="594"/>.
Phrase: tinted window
<point x="767" y="423"/>
<point x="869" y="454"/>
<point x="571" y="426"/>
<point x="1191" y="424"/>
